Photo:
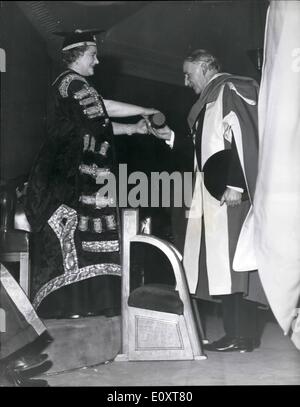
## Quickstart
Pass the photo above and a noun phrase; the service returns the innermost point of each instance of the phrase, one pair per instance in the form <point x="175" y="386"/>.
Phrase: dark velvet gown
<point x="76" y="239"/>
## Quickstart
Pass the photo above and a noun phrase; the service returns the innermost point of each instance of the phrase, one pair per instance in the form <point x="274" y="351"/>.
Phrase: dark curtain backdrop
<point x="23" y="92"/>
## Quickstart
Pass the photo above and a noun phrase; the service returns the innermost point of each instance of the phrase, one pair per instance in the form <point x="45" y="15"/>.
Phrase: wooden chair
<point x="14" y="244"/>
<point x="157" y="321"/>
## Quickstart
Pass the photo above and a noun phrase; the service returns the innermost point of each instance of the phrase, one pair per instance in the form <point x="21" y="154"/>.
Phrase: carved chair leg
<point x="200" y="329"/>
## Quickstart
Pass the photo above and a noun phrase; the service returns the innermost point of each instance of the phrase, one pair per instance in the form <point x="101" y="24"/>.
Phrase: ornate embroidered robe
<point x="76" y="244"/>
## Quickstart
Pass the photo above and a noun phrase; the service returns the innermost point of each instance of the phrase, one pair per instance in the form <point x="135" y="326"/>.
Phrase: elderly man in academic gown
<point x="219" y="259"/>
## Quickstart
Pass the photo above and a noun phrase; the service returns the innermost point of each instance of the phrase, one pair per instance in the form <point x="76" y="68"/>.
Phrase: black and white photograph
<point x="150" y="196"/>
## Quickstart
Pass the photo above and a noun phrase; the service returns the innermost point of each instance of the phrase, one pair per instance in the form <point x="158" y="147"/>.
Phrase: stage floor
<point x="276" y="362"/>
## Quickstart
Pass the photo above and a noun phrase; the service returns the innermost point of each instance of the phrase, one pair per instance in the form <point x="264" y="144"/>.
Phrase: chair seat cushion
<point x="156" y="297"/>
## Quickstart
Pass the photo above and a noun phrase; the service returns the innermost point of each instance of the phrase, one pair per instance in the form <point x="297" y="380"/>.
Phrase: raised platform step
<point x="82" y="342"/>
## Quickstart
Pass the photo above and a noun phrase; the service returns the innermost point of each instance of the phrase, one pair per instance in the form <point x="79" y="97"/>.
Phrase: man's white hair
<point x="202" y="55"/>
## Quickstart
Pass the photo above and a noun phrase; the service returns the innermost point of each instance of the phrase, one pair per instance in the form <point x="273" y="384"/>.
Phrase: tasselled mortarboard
<point x="78" y="38"/>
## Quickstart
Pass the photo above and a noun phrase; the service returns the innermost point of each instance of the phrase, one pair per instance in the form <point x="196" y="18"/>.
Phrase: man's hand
<point x="231" y="197"/>
<point x="163" y="133"/>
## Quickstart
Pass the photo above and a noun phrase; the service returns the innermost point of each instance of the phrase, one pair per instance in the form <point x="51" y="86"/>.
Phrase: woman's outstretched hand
<point x="142" y="127"/>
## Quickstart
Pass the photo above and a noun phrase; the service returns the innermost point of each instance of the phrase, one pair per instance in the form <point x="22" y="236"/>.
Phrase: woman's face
<point x="86" y="62"/>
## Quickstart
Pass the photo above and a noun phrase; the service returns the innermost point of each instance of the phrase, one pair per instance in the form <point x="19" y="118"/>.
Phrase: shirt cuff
<point x="236" y="188"/>
<point x="171" y="141"/>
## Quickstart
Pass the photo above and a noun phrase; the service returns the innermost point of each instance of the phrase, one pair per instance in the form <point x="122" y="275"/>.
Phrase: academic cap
<point x="219" y="163"/>
<point x="78" y="38"/>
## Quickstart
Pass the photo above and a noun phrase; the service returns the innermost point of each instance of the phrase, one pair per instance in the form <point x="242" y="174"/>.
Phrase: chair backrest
<point x="12" y="215"/>
<point x="14" y="244"/>
<point x="7" y="208"/>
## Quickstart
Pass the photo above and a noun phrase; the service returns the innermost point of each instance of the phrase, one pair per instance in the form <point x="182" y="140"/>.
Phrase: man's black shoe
<point x="230" y="344"/>
<point x="28" y="362"/>
<point x="225" y="344"/>
<point x="247" y="344"/>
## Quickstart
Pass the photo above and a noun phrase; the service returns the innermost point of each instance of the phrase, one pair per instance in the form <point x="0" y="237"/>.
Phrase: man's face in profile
<point x="194" y="77"/>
